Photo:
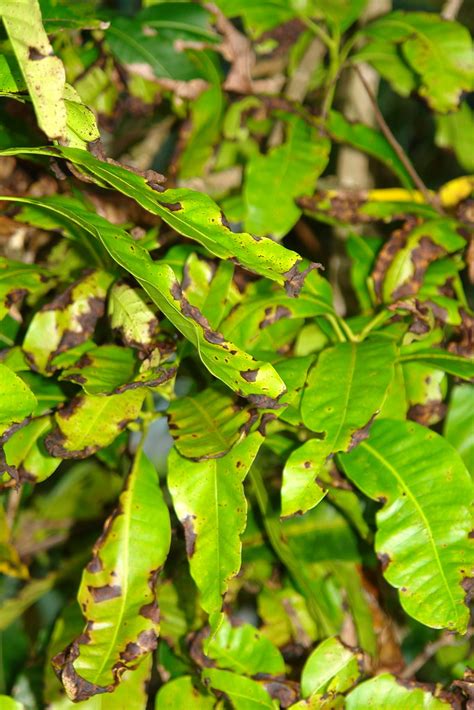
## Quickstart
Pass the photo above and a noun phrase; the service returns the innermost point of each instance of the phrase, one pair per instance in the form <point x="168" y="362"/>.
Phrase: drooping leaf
<point x="242" y="649"/>
<point x="436" y="55"/>
<point x="274" y="180"/>
<point x="384" y="692"/>
<point x="196" y="216"/>
<point x="67" y="321"/>
<point x="331" y="668"/>
<point x="117" y="593"/>
<point x="222" y="358"/>
<point x="207" y="424"/>
<point x="424" y="524"/>
<point x="90" y="422"/>
<point x="244" y="693"/>
<point x="17" y="401"/>
<point x="43" y="72"/>
<point x="10" y="562"/>
<point x="209" y="501"/>
<point x="339" y="405"/>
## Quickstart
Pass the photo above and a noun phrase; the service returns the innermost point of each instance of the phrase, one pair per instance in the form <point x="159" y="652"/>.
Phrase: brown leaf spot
<point x="285" y="691"/>
<point x="172" y="206"/>
<point x="263" y="402"/>
<point x="386" y="255"/>
<point x="294" y="278"/>
<point x="384" y="560"/>
<point x="279" y="313"/>
<point x="424" y="254"/>
<point x="150" y="611"/>
<point x="249" y="375"/>
<point x="362" y="433"/>
<point x="189" y="535"/>
<point x="103" y="594"/>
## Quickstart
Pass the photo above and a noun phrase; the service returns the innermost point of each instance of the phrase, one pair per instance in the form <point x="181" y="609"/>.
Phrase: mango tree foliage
<point x="236" y="355"/>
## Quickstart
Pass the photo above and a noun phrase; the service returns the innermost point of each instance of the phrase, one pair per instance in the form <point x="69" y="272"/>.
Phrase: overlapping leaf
<point x="339" y="405"/>
<point x="117" y="592"/>
<point x="424" y="524"/>
<point x="384" y="692"/>
<point x="209" y="501"/>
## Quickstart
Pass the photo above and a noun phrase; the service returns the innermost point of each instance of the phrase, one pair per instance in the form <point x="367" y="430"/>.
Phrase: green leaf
<point x="90" y="422"/>
<point x="458" y="428"/>
<point x="243" y="649"/>
<point x="7" y="703"/>
<point x="181" y="692"/>
<point x="385" y="693"/>
<point x="16" y="280"/>
<point x="131" y="315"/>
<point x="424" y="524"/>
<point x="331" y="668"/>
<point x="453" y="131"/>
<point x="102" y="369"/>
<point x="10" y="562"/>
<point x="442" y="359"/>
<point x="117" y="592"/>
<point x="370" y="141"/>
<point x="274" y="180"/>
<point x="244" y="693"/>
<point x="43" y="72"/>
<point x="222" y="358"/>
<point x="17" y="401"/>
<point x="209" y="501"/>
<point x="67" y="321"/>
<point x="339" y="406"/>
<point x="25" y="450"/>
<point x="438" y="52"/>
<point x="206" y="425"/>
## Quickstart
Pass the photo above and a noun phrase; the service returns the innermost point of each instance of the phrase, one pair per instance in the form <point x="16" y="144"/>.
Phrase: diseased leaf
<point x="10" y="562"/>
<point x="274" y="180"/>
<point x="339" y="406"/>
<point x="331" y="668"/>
<point x="17" y="401"/>
<point x="117" y="593"/>
<point x="438" y="53"/>
<point x="25" y="450"/>
<point x="244" y="693"/>
<point x="424" y="524"/>
<point x="102" y="369"/>
<point x="384" y="692"/>
<point x="90" y="422"/>
<point x="181" y="692"/>
<point x="67" y="321"/>
<point x="43" y="72"/>
<point x="206" y="425"/>
<point x="17" y="280"/>
<point x="131" y="314"/>
<point x="242" y="649"/>
<point x="209" y="501"/>
<point x="196" y="216"/>
<point x="222" y="358"/>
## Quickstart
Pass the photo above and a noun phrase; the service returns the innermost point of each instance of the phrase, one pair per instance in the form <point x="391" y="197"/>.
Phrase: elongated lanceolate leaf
<point x="194" y="215"/>
<point x="117" y="592"/>
<point x="209" y="500"/>
<point x="442" y="359"/>
<point x="458" y="428"/>
<point x="424" y="524"/>
<point x="345" y="390"/>
<point x="384" y="692"/>
<point x="43" y="72"/>
<point x="224" y="359"/>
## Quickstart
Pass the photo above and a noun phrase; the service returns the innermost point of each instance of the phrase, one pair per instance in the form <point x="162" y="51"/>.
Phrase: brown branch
<point x="384" y="127"/>
<point x="451" y="9"/>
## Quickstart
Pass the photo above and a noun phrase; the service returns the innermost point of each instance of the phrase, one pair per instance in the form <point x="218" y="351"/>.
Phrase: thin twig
<point x="451" y="9"/>
<point x="395" y="144"/>
<point x="446" y="639"/>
